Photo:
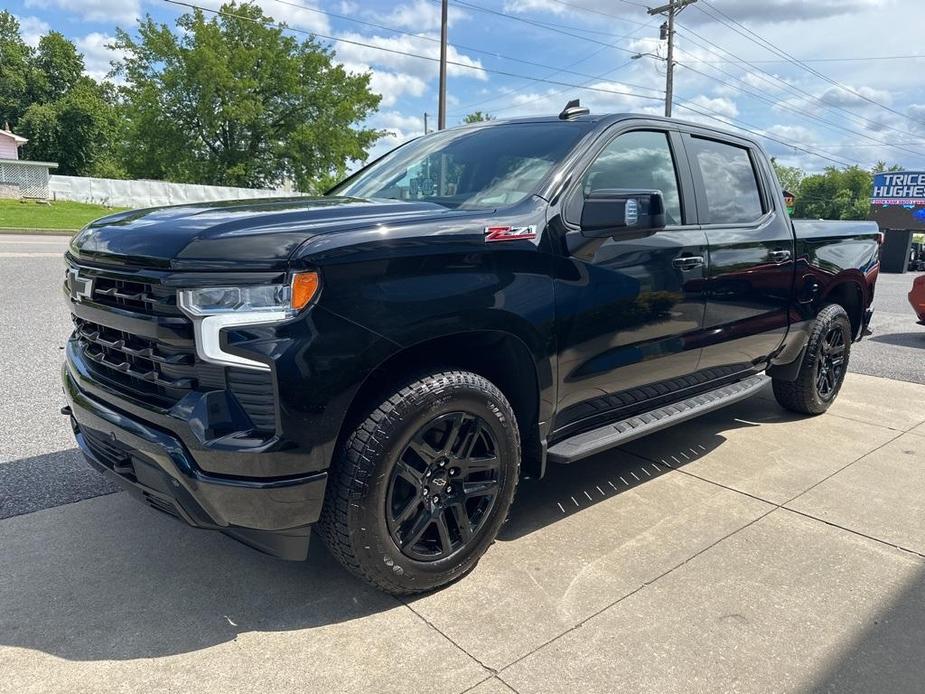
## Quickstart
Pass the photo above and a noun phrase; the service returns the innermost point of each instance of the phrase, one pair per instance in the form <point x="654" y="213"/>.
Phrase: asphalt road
<point x="897" y="347"/>
<point x="39" y="464"/>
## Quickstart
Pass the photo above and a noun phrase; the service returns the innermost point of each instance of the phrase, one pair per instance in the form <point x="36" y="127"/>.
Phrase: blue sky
<point x="846" y="111"/>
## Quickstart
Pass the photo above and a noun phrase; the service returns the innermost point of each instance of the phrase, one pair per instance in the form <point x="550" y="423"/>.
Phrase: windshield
<point x="472" y="168"/>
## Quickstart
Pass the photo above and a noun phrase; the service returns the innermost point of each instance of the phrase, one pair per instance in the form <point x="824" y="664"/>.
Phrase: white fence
<point x="116" y="193"/>
<point x="24" y="179"/>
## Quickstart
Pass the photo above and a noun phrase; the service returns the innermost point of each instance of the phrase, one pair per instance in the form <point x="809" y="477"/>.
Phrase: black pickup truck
<point x="386" y="361"/>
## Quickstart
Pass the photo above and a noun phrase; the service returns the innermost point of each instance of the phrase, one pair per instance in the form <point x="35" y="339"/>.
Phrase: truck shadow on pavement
<point x="913" y="339"/>
<point x="108" y="579"/>
<point x="569" y="489"/>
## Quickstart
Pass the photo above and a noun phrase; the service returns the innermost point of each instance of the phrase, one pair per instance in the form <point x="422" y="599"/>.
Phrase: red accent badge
<point x="509" y="233"/>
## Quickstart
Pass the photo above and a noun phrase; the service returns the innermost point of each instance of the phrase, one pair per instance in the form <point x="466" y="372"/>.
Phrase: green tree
<point x="67" y="117"/>
<point x="477" y="117"/>
<point x="233" y="100"/>
<point x="77" y="130"/>
<point x="835" y="194"/>
<point x="16" y="71"/>
<point x="790" y="177"/>
<point x="59" y="66"/>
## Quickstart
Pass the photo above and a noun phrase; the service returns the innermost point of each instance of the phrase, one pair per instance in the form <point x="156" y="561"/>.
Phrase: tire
<point x="388" y="483"/>
<point x="825" y="364"/>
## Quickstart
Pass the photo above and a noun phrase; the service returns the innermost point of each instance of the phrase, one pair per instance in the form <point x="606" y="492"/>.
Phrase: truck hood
<point x="238" y="234"/>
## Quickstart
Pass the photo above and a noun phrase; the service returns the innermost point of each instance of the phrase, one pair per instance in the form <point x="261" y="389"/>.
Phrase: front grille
<point x="132" y="295"/>
<point x="157" y="371"/>
<point x="154" y="371"/>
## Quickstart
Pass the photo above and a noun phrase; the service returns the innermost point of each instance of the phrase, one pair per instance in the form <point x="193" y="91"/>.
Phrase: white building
<point x="20" y="178"/>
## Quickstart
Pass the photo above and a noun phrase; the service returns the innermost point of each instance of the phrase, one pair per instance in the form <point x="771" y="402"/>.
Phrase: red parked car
<point x="917" y="297"/>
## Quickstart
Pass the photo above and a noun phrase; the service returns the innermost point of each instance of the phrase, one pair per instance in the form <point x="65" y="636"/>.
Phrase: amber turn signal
<point x="304" y="287"/>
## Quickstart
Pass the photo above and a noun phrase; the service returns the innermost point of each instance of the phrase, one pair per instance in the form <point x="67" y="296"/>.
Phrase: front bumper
<point x="272" y="515"/>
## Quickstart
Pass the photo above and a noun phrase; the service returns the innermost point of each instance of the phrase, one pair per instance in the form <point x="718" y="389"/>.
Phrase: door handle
<point x="688" y="262"/>
<point x="779" y="256"/>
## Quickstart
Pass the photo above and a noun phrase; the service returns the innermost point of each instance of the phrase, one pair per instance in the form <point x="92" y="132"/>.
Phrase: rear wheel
<point x="424" y="483"/>
<point x="825" y="364"/>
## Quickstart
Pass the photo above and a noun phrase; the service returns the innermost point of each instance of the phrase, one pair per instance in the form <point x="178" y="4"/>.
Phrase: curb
<point x="39" y="232"/>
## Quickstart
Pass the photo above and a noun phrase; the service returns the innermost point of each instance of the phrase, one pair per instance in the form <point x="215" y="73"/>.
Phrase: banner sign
<point x="897" y="200"/>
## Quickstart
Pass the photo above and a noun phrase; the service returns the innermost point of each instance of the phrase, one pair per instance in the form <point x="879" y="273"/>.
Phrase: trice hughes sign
<point x="897" y="200"/>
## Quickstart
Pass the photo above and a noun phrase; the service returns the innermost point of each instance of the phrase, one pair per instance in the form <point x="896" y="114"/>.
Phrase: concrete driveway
<point x="749" y="550"/>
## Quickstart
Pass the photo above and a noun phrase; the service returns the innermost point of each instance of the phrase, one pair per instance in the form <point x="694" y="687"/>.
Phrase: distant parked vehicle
<point x="917" y="297"/>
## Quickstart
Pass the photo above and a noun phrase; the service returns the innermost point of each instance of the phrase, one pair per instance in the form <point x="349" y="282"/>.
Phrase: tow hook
<point x="66" y="411"/>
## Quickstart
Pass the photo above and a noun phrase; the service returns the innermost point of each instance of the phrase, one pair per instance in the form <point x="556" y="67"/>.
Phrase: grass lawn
<point x="15" y="214"/>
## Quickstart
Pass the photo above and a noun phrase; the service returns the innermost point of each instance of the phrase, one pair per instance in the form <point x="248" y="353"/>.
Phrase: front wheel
<point x="825" y="364"/>
<point x="424" y="483"/>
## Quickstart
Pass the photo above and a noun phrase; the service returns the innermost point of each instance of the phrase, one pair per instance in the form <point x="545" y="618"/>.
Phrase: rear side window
<point x="729" y="182"/>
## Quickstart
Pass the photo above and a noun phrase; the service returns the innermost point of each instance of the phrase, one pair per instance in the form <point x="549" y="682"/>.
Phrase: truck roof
<point x="605" y="119"/>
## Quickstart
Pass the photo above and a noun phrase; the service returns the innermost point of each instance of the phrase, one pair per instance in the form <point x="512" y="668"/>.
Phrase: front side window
<point x="469" y="168"/>
<point x="729" y="182"/>
<point x="638" y="160"/>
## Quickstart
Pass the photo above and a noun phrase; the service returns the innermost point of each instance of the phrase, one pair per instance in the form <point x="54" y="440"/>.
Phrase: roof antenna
<point x="573" y="109"/>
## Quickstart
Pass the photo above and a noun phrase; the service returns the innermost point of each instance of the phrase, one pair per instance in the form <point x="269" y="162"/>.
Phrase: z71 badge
<point x="509" y="233"/>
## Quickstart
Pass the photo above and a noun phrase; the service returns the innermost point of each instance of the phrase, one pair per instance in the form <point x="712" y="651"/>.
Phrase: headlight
<point x="213" y="309"/>
<point x="205" y="302"/>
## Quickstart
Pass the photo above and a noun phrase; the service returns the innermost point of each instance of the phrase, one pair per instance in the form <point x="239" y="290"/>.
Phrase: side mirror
<point x="610" y="210"/>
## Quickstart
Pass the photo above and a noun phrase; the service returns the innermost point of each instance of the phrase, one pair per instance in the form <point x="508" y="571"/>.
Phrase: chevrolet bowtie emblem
<point x="81" y="288"/>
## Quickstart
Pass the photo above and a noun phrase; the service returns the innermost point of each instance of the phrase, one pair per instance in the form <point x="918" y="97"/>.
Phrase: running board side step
<point x="617" y="433"/>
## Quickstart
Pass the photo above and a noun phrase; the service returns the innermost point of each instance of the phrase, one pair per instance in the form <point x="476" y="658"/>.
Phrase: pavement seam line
<point x="771" y="398"/>
<point x="844" y="467"/>
<point x="854" y="532"/>
<point x="490" y="670"/>
<point x="642" y="586"/>
<point x="783" y="506"/>
<point x="488" y="679"/>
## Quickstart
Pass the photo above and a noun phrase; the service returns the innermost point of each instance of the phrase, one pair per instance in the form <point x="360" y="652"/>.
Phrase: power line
<point x="526" y="85"/>
<point x="601" y="13"/>
<point x="775" y="81"/>
<point x="749" y="128"/>
<point x="284" y="27"/>
<point x="761" y="41"/>
<point x="457" y="46"/>
<point x="824" y="60"/>
<point x="542" y="25"/>
<point x="830" y="124"/>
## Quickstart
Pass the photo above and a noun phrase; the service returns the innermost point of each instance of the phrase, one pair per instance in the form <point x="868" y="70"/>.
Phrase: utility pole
<point x="441" y="107"/>
<point x="425" y="122"/>
<point x="672" y="8"/>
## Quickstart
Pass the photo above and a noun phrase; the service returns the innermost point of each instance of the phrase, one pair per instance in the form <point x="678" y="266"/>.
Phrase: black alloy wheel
<point x="823" y="365"/>
<point x="443" y="486"/>
<point x="830" y="364"/>
<point x="423" y="483"/>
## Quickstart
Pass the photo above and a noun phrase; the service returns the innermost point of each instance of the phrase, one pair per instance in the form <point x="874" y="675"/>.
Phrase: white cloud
<point x="394" y="85"/>
<point x="768" y="11"/>
<point x="364" y="51"/>
<point x="32" y="29"/>
<point x="854" y="96"/>
<point x="420" y="15"/>
<point x="97" y="56"/>
<point x="95" y="10"/>
<point x="720" y="106"/>
<point x="796" y="134"/>
<point x="290" y="13"/>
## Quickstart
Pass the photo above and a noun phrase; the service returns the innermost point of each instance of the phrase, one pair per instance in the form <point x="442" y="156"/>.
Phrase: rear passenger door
<point x="750" y="270"/>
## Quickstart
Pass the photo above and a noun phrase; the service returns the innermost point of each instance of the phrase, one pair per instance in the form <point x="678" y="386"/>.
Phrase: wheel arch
<point x="848" y="293"/>
<point x="500" y="356"/>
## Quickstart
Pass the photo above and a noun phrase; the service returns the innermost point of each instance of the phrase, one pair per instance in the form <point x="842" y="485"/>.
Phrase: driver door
<point x="630" y="307"/>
